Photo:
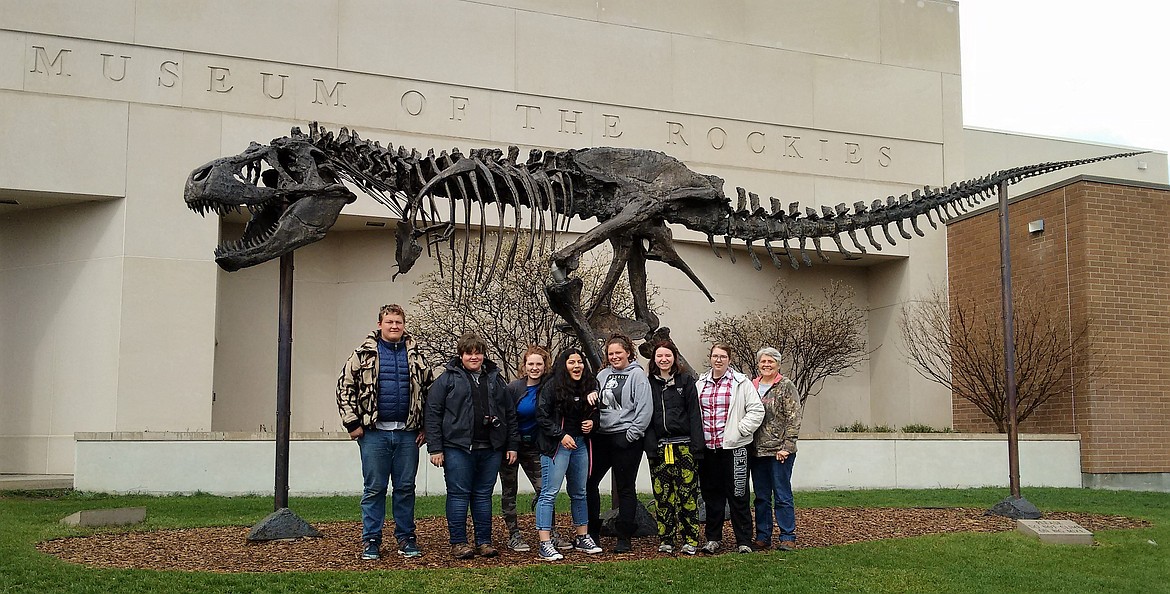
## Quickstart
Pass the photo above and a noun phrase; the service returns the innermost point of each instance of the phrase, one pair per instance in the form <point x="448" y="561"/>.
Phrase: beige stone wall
<point x="111" y="104"/>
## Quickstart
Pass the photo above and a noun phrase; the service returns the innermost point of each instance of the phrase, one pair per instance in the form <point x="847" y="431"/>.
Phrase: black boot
<point x="623" y="545"/>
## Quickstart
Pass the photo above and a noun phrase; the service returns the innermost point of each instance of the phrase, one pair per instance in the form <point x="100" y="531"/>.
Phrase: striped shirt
<point x="714" y="403"/>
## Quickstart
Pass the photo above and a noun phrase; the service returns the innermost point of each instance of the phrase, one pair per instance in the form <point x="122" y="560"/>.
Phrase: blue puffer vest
<point x="393" y="381"/>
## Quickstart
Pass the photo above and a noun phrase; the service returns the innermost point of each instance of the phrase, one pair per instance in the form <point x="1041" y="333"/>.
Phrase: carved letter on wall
<point x="458" y="107"/>
<point x="41" y="57"/>
<point x="268" y="78"/>
<point x="755" y="141"/>
<point x="528" y="115"/>
<point x="717" y="137"/>
<point x="570" y="122"/>
<point x="322" y="96"/>
<point x="218" y="81"/>
<point x="413" y="102"/>
<point x="674" y="130"/>
<point x="172" y="75"/>
<point x="609" y="130"/>
<point x="852" y="153"/>
<point x="884" y="158"/>
<point x="106" y="67"/>
<point x="790" y="149"/>
<point x="824" y="149"/>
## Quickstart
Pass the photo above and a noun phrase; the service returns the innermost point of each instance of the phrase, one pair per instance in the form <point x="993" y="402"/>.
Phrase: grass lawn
<point x="1124" y="560"/>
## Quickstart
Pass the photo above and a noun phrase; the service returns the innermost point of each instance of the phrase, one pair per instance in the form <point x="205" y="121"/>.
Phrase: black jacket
<point x="676" y="413"/>
<point x="450" y="412"/>
<point x="550" y="419"/>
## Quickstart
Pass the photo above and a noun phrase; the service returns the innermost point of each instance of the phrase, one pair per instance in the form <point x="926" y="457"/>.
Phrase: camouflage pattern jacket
<point x="781" y="424"/>
<point x="357" y="388"/>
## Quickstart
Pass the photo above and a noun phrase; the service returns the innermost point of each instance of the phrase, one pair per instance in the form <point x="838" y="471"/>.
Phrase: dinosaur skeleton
<point x="294" y="189"/>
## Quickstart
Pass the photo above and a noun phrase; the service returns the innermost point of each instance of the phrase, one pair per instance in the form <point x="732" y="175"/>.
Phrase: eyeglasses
<point x="718" y="357"/>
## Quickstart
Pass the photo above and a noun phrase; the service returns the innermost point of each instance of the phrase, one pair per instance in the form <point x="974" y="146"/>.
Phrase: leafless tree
<point x="959" y="345"/>
<point x="818" y="338"/>
<point x="511" y="311"/>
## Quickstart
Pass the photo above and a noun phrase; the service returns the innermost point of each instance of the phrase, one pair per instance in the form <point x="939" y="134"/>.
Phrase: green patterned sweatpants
<point x="676" y="493"/>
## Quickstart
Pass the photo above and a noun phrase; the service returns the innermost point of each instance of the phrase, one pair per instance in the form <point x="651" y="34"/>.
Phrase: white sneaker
<point x="547" y="552"/>
<point x="711" y="547"/>
<point x="665" y="548"/>
<point x="585" y="544"/>
<point x="688" y="549"/>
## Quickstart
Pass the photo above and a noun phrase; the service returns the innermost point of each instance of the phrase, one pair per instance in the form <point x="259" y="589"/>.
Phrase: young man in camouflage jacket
<point x="380" y="397"/>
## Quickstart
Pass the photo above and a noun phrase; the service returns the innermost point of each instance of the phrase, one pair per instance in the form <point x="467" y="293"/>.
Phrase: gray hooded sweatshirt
<point x="625" y="401"/>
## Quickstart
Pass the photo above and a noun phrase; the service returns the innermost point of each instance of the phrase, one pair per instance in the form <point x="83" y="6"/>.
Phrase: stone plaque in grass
<point x="1056" y="531"/>
<point x="106" y="517"/>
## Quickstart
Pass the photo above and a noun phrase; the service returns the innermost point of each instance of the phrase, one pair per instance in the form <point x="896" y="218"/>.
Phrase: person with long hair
<point x="673" y="438"/>
<point x="775" y="445"/>
<point x="535" y="367"/>
<point x="731" y="411"/>
<point x="625" y="404"/>
<point x="567" y="414"/>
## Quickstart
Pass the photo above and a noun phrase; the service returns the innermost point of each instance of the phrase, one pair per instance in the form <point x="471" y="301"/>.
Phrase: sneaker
<point x="623" y="545"/>
<point x="786" y="545"/>
<point x="585" y="544"/>
<point x="688" y="549"/>
<point x="409" y="549"/>
<point x="743" y="549"/>
<point x="371" y="552"/>
<point x="462" y="551"/>
<point x="665" y="548"/>
<point x="711" y="547"/>
<point x="561" y="543"/>
<point x="486" y="550"/>
<point x="516" y="543"/>
<point x="547" y="552"/>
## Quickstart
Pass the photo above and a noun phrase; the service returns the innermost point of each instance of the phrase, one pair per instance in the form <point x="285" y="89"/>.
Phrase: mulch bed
<point x="225" y="550"/>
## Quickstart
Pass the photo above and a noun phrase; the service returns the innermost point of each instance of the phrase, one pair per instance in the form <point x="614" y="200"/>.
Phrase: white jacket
<point x="745" y="413"/>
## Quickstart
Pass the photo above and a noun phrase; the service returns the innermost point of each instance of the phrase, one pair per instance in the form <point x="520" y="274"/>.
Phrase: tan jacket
<point x="781" y="424"/>
<point x="357" y="388"/>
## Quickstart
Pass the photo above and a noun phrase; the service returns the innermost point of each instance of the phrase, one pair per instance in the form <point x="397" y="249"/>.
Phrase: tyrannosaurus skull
<point x="289" y="188"/>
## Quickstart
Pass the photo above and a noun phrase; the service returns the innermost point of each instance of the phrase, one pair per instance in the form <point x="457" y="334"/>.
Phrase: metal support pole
<point x="1009" y="343"/>
<point x="284" y="380"/>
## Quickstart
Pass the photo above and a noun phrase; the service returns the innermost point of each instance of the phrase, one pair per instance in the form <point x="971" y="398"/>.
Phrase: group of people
<point x="567" y="426"/>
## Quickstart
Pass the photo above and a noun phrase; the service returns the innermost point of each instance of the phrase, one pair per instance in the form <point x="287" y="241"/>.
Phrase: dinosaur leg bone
<point x="564" y="298"/>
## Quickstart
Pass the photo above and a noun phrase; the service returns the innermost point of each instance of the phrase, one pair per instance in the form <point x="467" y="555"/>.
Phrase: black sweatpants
<point x="612" y="451"/>
<point x="723" y="480"/>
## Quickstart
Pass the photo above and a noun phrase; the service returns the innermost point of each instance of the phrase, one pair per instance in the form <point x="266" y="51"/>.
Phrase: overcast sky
<point x="1071" y="68"/>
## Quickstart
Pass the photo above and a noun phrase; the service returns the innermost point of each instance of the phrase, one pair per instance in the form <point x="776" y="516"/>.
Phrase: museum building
<point x="115" y="320"/>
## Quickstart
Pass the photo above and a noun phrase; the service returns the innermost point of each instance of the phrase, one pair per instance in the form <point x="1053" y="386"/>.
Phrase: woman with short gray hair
<point x="775" y="447"/>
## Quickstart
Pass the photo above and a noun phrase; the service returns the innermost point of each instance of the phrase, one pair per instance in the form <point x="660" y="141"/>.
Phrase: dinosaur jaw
<point x="292" y="203"/>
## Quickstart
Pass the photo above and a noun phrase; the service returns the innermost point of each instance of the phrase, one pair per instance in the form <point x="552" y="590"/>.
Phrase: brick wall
<point x="1102" y="260"/>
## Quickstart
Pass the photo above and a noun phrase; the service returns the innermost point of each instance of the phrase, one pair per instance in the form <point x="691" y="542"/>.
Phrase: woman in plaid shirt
<point x="730" y="410"/>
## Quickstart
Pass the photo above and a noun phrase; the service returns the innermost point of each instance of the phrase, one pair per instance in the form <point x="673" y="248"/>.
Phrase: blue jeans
<point x="570" y="464"/>
<point x="470" y="478"/>
<point x="386" y="456"/>
<point x="772" y="480"/>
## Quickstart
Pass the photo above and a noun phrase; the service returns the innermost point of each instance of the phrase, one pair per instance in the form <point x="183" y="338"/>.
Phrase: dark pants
<point x="528" y="458"/>
<point x="470" y="478"/>
<point x="612" y="451"/>
<point x="723" y="480"/>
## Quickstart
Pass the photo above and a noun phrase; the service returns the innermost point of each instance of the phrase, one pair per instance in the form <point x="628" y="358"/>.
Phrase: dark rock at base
<point x="647" y="525"/>
<point x="703" y="511"/>
<point x="1019" y="509"/>
<point x="281" y="524"/>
